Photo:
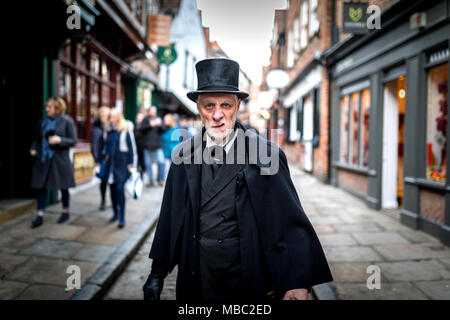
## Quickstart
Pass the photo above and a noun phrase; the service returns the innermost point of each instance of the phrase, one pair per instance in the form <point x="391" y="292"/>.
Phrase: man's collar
<point x="211" y="143"/>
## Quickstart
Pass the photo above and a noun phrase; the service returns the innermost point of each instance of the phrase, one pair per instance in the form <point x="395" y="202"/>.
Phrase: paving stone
<point x="345" y="253"/>
<point x="337" y="239"/>
<point x="439" y="290"/>
<point x="327" y="220"/>
<point x="323" y="228"/>
<point x="10" y="289"/>
<point x="349" y="271"/>
<point x="446" y="262"/>
<point x="416" y="236"/>
<point x="409" y="252"/>
<point x="414" y="270"/>
<point x="9" y="263"/>
<point x="44" y="292"/>
<point x="390" y="224"/>
<point x="94" y="252"/>
<point x="51" y="271"/>
<point x="53" y="249"/>
<point x="110" y="235"/>
<point x="388" y="291"/>
<point x="369" y="238"/>
<point x="49" y="230"/>
<point x="10" y="244"/>
<point x="90" y="221"/>
<point x="357" y="227"/>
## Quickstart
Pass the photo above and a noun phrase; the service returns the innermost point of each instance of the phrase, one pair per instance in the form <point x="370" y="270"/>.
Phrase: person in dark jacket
<point x="52" y="168"/>
<point x="96" y="135"/>
<point x="120" y="154"/>
<point x="152" y="127"/>
<point x="230" y="217"/>
<point x="139" y="144"/>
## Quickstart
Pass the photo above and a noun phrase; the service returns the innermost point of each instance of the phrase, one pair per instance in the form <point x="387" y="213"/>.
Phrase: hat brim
<point x="193" y="95"/>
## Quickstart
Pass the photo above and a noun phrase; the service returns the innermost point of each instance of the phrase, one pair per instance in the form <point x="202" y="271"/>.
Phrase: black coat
<point x="57" y="172"/>
<point x="278" y="244"/>
<point x="96" y="136"/>
<point x="150" y="137"/>
<point x="120" y="159"/>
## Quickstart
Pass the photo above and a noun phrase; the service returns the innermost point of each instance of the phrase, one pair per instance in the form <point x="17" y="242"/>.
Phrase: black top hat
<point x="217" y="75"/>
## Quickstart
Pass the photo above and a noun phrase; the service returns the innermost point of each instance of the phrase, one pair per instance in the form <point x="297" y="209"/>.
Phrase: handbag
<point x="134" y="185"/>
<point x="104" y="167"/>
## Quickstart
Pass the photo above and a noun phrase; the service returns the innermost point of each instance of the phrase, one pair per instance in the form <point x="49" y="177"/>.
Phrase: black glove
<point x="153" y="287"/>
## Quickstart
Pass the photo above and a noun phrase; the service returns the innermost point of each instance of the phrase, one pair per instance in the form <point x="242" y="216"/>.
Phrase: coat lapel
<point x="225" y="174"/>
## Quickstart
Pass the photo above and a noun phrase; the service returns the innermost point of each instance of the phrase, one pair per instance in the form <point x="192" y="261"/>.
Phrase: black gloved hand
<point x="153" y="287"/>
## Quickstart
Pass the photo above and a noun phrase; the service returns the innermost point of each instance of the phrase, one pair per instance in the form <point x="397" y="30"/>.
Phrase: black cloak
<point x="279" y="248"/>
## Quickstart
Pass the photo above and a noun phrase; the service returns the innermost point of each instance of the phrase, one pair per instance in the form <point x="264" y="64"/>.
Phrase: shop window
<point x="81" y="107"/>
<point x="437" y="122"/>
<point x="354" y="127"/>
<point x="95" y="63"/>
<point x="304" y="25"/>
<point x="81" y="55"/>
<point x="365" y="121"/>
<point x="355" y="120"/>
<point x="106" y="73"/>
<point x="290" y="53"/>
<point x="95" y="98"/>
<point x="296" y="47"/>
<point x="65" y="83"/>
<point x="106" y="94"/>
<point x="313" y="21"/>
<point x="344" y="129"/>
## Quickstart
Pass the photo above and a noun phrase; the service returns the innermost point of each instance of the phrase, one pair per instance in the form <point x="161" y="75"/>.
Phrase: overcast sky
<point x="243" y="29"/>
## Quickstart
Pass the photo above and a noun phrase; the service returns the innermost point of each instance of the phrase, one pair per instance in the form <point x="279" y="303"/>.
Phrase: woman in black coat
<point x="97" y="133"/>
<point x="52" y="168"/>
<point x="119" y="151"/>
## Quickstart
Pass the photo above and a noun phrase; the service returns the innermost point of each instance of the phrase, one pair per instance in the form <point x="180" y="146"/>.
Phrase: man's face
<point x="218" y="112"/>
<point x="152" y="112"/>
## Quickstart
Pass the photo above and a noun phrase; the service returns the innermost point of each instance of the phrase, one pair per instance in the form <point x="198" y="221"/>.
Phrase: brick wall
<point x="353" y="181"/>
<point x="432" y="205"/>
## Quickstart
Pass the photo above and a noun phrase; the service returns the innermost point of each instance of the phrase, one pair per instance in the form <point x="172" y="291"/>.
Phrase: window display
<point x="437" y="122"/>
<point x="365" y="121"/>
<point x="344" y="129"/>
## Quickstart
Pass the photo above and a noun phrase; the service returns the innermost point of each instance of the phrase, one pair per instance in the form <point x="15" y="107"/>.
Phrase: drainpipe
<point x="334" y="39"/>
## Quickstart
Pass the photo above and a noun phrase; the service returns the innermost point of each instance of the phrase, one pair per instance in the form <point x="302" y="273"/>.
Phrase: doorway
<point x="393" y="143"/>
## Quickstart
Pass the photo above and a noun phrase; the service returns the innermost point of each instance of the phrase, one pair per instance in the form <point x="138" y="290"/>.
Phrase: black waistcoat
<point x="219" y="253"/>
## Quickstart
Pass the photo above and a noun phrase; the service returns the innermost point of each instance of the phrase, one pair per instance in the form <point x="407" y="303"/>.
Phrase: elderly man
<point x="231" y="218"/>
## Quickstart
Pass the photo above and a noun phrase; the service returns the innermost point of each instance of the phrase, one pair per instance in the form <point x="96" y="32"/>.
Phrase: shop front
<point x="87" y="80"/>
<point x="389" y="116"/>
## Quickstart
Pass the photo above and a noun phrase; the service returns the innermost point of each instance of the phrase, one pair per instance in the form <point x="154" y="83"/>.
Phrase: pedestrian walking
<point x="152" y="127"/>
<point x="119" y="157"/>
<point x="233" y="222"/>
<point x="171" y="137"/>
<point x="52" y="168"/>
<point x="98" y="130"/>
<point x="139" y="144"/>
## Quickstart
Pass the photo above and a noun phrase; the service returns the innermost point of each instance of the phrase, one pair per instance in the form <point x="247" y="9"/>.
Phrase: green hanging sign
<point x="167" y="55"/>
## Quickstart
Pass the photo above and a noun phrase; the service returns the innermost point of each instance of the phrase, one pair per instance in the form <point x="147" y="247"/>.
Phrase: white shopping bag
<point x="134" y="185"/>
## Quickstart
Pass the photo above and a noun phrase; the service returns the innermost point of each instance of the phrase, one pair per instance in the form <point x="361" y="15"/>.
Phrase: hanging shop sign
<point x="159" y="29"/>
<point x="167" y="55"/>
<point x="354" y="17"/>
